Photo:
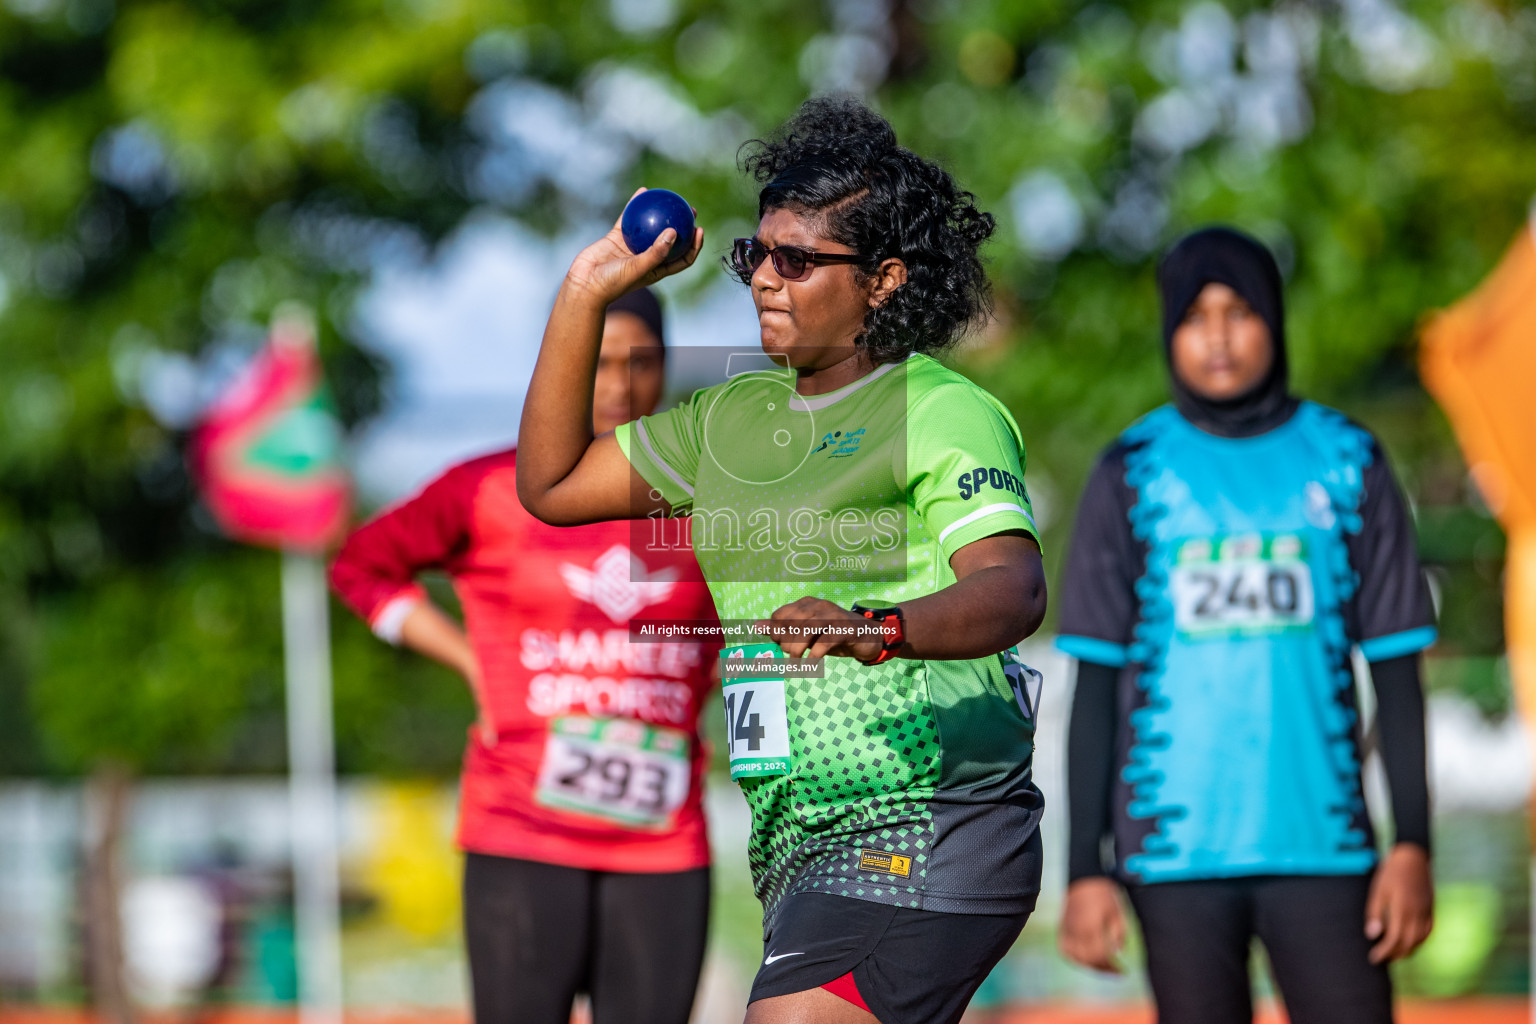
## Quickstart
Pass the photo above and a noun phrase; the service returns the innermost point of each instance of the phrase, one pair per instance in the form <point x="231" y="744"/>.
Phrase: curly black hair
<point x="838" y="162"/>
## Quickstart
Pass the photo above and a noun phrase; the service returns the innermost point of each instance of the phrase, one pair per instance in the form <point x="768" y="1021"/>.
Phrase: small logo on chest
<point x="1319" y="506"/>
<point x="839" y="445"/>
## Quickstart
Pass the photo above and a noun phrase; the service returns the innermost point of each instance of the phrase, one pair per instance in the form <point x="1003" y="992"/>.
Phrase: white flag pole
<point x="312" y="788"/>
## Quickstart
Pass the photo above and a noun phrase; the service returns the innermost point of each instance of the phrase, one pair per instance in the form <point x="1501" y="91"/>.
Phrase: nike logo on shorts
<point x="772" y="958"/>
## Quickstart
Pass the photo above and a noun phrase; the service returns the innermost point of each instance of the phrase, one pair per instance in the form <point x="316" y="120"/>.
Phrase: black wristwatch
<point x="893" y="631"/>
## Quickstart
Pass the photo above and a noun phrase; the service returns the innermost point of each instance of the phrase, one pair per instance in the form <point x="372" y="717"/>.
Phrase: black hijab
<point x="1243" y="264"/>
<point x="642" y="302"/>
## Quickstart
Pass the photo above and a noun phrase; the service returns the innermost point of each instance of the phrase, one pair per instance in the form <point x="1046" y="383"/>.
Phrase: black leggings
<point x="540" y="933"/>
<point x="1198" y="936"/>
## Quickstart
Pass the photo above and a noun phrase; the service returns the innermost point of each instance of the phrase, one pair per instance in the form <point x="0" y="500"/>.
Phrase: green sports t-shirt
<point x="907" y="782"/>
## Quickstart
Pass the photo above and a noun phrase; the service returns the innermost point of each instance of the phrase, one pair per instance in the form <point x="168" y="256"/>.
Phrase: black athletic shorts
<point x="1199" y="935"/>
<point x="537" y="934"/>
<point x="911" y="966"/>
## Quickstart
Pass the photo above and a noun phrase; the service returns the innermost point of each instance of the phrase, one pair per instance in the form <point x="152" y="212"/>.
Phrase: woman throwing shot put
<point x="587" y="864"/>
<point x="895" y="844"/>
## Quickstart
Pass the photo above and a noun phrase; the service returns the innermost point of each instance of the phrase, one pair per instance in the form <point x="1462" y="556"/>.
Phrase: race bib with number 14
<point x="756" y="718"/>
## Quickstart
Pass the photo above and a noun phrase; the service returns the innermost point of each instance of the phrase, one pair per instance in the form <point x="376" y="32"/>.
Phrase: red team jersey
<point x="596" y="761"/>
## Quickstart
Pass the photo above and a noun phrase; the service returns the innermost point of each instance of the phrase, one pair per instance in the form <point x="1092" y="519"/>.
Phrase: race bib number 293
<point x="1245" y="584"/>
<point x="616" y="768"/>
<point x="756" y="716"/>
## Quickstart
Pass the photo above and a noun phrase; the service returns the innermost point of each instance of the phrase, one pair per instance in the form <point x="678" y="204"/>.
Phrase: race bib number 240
<point x="1245" y="584"/>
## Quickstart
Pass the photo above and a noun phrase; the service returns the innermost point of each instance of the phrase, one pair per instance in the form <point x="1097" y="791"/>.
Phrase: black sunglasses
<point x="791" y="262"/>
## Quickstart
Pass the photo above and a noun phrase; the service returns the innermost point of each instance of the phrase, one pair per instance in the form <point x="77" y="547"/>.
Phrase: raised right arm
<point x="565" y="476"/>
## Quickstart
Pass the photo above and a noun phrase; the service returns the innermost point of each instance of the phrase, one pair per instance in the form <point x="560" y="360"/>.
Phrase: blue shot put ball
<point x="652" y="212"/>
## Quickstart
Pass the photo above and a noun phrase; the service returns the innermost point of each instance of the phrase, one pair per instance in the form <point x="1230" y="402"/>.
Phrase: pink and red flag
<point x="267" y="453"/>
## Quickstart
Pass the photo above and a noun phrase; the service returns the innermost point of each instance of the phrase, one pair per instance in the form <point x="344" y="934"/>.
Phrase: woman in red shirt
<point x="581" y="815"/>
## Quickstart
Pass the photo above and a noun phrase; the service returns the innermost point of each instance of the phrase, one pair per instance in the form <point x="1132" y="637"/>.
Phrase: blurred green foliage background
<point x="170" y="171"/>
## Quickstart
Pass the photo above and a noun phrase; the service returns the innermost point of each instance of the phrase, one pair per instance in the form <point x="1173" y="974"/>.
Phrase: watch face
<point x="891" y="628"/>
